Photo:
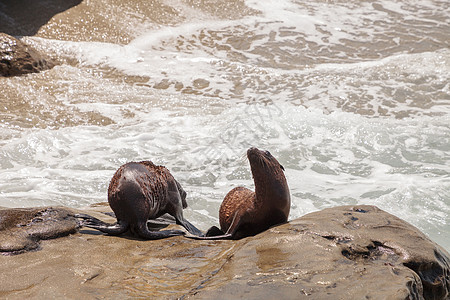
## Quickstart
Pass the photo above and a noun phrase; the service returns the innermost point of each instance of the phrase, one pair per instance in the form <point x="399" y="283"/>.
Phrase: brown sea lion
<point x="244" y="212"/>
<point x="140" y="191"/>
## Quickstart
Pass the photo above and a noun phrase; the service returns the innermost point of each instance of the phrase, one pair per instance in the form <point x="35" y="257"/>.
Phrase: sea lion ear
<point x="282" y="168"/>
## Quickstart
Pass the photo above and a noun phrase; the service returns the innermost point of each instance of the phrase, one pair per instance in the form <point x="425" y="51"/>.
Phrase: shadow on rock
<point x="25" y="17"/>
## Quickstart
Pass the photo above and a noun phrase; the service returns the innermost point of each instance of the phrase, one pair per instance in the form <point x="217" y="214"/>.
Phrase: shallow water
<point x="352" y="97"/>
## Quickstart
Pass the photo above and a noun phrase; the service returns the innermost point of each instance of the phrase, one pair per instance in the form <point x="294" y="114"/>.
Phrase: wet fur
<point x="140" y="191"/>
<point x="244" y="212"/>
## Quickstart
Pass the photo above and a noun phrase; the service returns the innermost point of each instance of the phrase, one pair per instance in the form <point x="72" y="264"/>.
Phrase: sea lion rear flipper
<point x="161" y="222"/>
<point x="165" y="219"/>
<point x="189" y="227"/>
<point x="180" y="220"/>
<point x="114" y="229"/>
<point x="109" y="213"/>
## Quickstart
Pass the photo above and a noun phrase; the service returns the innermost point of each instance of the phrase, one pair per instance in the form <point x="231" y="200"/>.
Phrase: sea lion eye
<point x="282" y="168"/>
<point x="268" y="153"/>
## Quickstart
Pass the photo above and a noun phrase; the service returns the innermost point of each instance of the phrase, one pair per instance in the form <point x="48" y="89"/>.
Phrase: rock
<point x="16" y="58"/>
<point x="349" y="252"/>
<point x="27" y="17"/>
<point x="22" y="229"/>
<point x="200" y="83"/>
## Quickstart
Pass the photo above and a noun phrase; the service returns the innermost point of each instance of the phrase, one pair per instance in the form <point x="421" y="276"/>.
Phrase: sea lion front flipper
<point x="109" y="213"/>
<point x="235" y="223"/>
<point x="114" y="229"/>
<point x="177" y="213"/>
<point x="189" y="227"/>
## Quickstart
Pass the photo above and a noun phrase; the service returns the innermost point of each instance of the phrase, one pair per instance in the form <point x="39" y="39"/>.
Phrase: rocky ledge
<point x="17" y="58"/>
<point x="348" y="252"/>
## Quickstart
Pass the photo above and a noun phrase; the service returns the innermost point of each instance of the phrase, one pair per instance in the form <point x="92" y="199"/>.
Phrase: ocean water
<point x="352" y="97"/>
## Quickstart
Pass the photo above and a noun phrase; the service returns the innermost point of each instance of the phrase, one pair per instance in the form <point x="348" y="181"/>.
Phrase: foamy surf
<point x="352" y="98"/>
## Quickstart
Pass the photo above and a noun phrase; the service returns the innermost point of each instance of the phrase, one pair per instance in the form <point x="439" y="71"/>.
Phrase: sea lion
<point x="140" y="191"/>
<point x="244" y="212"/>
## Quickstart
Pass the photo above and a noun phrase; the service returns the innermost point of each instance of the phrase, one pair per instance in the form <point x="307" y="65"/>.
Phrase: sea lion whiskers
<point x="242" y="158"/>
<point x="261" y="161"/>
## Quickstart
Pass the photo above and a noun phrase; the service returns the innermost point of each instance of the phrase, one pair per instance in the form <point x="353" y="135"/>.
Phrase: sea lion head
<point x="271" y="187"/>
<point x="263" y="164"/>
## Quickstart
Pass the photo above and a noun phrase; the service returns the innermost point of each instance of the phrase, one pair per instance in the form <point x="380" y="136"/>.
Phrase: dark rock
<point x="26" y="17"/>
<point x="22" y="229"/>
<point x="17" y="58"/>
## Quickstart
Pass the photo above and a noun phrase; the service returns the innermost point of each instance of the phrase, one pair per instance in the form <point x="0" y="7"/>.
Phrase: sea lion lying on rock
<point x="244" y="212"/>
<point x="140" y="191"/>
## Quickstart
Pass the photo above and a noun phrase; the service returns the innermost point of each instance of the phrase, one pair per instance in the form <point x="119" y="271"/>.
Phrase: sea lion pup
<point x="244" y="212"/>
<point x="140" y="191"/>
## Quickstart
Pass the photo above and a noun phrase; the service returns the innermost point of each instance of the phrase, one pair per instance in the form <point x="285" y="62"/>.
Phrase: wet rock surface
<point x="26" y="17"/>
<point x="348" y="252"/>
<point x="17" y="58"/>
<point x="21" y="229"/>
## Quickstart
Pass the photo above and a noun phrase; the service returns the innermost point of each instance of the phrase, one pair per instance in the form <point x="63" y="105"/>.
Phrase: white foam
<point x="348" y="128"/>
